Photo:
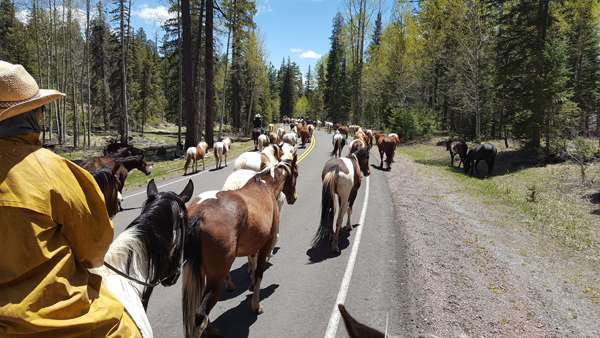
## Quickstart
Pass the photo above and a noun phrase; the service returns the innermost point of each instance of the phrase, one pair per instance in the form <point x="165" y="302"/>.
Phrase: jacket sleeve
<point x="78" y="206"/>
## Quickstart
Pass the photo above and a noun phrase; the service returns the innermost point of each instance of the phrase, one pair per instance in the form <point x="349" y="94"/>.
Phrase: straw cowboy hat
<point x="257" y="115"/>
<point x="19" y="92"/>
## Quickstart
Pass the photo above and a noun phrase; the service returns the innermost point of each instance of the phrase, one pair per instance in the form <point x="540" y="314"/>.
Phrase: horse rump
<point x="327" y="205"/>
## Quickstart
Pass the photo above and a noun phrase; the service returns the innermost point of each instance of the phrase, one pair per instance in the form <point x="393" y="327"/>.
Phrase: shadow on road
<point x="236" y="322"/>
<point x="322" y="250"/>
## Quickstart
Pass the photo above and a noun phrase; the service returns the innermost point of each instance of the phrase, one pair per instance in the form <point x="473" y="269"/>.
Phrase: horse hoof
<point x="259" y="310"/>
<point x="336" y="249"/>
<point x="349" y="227"/>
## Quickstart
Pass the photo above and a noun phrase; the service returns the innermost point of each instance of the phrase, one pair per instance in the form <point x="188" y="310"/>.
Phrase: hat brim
<point x="46" y="96"/>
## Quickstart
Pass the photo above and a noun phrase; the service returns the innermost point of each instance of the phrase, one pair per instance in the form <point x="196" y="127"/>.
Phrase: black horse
<point x="107" y="182"/>
<point x="478" y="152"/>
<point x="255" y="134"/>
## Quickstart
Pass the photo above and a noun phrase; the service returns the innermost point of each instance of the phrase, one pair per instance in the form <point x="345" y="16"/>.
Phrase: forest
<point x="527" y="70"/>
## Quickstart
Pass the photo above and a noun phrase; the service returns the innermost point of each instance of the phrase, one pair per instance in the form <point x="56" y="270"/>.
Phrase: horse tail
<point x="335" y="148"/>
<point x="327" y="204"/>
<point x="188" y="159"/>
<point x="239" y="163"/>
<point x="193" y="283"/>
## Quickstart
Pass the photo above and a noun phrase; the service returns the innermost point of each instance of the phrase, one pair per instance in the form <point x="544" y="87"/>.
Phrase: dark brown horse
<point x="225" y="225"/>
<point x="478" y="152"/>
<point x="109" y="185"/>
<point x="457" y="147"/>
<point x="386" y="145"/>
<point x="127" y="164"/>
<point x="341" y="177"/>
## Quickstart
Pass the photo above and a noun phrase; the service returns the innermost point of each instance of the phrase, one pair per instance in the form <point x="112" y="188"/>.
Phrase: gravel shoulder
<point x="475" y="268"/>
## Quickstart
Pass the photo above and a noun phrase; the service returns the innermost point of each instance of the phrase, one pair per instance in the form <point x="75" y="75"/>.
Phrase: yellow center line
<point x="307" y="151"/>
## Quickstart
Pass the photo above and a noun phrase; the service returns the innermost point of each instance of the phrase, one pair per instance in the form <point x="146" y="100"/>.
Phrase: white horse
<point x="220" y="149"/>
<point x="280" y="133"/>
<point x="263" y="141"/>
<point x="328" y="126"/>
<point x="193" y="154"/>
<point x="339" y="141"/>
<point x="251" y="160"/>
<point x="149" y="252"/>
<point x="291" y="138"/>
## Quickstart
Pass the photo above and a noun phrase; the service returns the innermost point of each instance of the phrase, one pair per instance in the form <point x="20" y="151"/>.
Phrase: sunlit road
<point x="301" y="284"/>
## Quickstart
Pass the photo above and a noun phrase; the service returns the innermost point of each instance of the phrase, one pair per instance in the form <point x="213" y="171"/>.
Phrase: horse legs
<point x="476" y="170"/>
<point x="258" y="275"/>
<point x="229" y="286"/>
<point x="381" y="157"/>
<point x="338" y="224"/>
<point x="452" y="160"/>
<point x="353" y="194"/>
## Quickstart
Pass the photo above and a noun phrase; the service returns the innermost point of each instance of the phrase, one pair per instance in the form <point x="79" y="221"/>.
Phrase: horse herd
<point x="201" y="242"/>
<point x="470" y="157"/>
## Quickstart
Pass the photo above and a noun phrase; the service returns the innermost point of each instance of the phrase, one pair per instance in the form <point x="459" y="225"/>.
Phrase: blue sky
<point x="298" y="29"/>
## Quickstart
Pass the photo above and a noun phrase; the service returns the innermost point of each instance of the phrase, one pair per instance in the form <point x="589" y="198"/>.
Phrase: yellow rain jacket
<point x="53" y="226"/>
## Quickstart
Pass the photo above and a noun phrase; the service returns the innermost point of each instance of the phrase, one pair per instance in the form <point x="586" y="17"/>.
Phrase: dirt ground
<point x="480" y="271"/>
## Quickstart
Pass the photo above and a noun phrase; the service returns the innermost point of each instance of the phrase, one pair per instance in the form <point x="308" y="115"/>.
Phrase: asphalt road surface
<point x="301" y="285"/>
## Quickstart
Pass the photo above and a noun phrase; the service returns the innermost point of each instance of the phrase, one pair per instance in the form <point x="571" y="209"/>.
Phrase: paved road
<point x="301" y="285"/>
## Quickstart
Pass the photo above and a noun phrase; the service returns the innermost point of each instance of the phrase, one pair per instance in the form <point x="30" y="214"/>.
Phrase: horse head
<point x="289" y="188"/>
<point x="362" y="157"/>
<point x="143" y="166"/>
<point x="179" y="220"/>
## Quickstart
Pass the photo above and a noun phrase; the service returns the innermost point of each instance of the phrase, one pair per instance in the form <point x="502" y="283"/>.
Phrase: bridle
<point x="182" y="222"/>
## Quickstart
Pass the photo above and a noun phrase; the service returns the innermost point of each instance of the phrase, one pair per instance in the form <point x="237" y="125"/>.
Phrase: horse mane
<point x="360" y="153"/>
<point x="286" y="164"/>
<point x="143" y="237"/>
<point x="103" y="176"/>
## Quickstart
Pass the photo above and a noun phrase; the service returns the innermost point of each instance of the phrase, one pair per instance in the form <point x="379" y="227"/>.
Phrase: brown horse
<point x="355" y="144"/>
<point x="457" y="147"/>
<point x="304" y="136"/>
<point x="341" y="177"/>
<point x="343" y="130"/>
<point x="387" y="145"/>
<point x="263" y="142"/>
<point x="109" y="185"/>
<point x="193" y="155"/>
<point x="225" y="225"/>
<point x="127" y="164"/>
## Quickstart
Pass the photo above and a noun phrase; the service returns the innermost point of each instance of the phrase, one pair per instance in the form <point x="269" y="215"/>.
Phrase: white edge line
<point x="341" y="297"/>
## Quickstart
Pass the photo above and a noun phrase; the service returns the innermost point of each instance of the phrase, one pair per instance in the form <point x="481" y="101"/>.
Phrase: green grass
<point x="551" y="197"/>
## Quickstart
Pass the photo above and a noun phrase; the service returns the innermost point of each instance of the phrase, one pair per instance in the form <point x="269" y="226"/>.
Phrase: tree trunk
<point x="209" y="74"/>
<point x="188" y="80"/>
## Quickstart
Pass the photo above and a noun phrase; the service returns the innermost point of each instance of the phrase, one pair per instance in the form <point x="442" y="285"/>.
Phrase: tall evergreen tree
<point x="335" y="92"/>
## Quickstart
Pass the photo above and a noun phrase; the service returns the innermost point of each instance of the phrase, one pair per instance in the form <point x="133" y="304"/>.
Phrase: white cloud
<point x="296" y="50"/>
<point x="263" y="6"/>
<point x="153" y="16"/>
<point x="309" y="54"/>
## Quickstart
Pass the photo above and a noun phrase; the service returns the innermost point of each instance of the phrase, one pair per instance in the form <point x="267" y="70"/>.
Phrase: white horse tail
<point x="193" y="282"/>
<point x="328" y="191"/>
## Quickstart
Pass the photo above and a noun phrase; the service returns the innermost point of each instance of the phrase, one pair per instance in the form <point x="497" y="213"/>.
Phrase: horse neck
<point x="130" y="162"/>
<point x="274" y="179"/>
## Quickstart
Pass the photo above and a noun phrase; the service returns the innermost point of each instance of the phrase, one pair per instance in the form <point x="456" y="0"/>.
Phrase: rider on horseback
<point x="257" y="123"/>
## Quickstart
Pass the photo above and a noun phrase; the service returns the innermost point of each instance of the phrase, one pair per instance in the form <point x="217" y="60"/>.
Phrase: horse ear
<point x="152" y="190"/>
<point x="187" y="192"/>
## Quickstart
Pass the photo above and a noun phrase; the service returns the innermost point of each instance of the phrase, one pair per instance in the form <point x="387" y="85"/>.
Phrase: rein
<point x="181" y="216"/>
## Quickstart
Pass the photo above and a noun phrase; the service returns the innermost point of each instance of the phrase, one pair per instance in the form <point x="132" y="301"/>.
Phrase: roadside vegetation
<point x="163" y="166"/>
<point x="552" y="197"/>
